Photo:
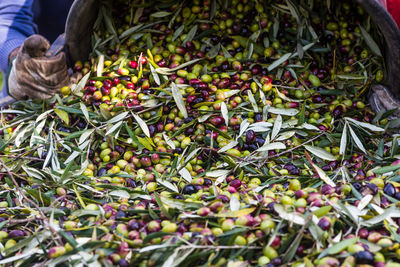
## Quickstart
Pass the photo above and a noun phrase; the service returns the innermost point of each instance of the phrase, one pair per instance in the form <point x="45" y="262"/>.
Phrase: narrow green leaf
<point x="386" y="169"/>
<point x="191" y="34"/>
<point x="279" y="61"/>
<point x="160" y="14"/>
<point x="370" y="42"/>
<point x="178" y="32"/>
<point x="177" y="95"/>
<point x="142" y="124"/>
<point x="343" y="141"/>
<point x="62" y="115"/>
<point x="320" y="152"/>
<point x="339" y="247"/>
<point x="357" y="140"/>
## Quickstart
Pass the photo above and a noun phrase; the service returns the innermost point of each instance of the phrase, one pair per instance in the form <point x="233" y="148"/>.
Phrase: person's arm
<point x="16" y="24"/>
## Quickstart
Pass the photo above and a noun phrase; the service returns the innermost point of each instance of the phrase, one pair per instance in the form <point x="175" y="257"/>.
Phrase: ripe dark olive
<point x="357" y="186"/>
<point x="102" y="172"/>
<point x="250" y="136"/>
<point x="337" y="112"/>
<point x="363" y="233"/>
<point x="373" y="187"/>
<point x="189" y="189"/>
<point x="364" y="257"/>
<point x="236" y="183"/>
<point x="258" y="117"/>
<point x="224" y="198"/>
<point x="317" y="99"/>
<point x="324" y="224"/>
<point x="389" y="189"/>
<point x="260" y="141"/>
<point x="255" y="70"/>
<point x="217" y="121"/>
<point x="123" y="263"/>
<point x="131" y="183"/>
<point x="207" y="182"/>
<point x="16" y="233"/>
<point x="277" y="261"/>
<point x="120" y="214"/>
<point x="327" y="189"/>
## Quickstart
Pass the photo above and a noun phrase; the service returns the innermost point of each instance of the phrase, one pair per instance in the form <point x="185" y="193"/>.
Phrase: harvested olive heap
<point x="208" y="133"/>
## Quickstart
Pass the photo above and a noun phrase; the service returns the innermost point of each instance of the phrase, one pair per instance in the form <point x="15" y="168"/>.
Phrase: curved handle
<point x="391" y="33"/>
<point x="79" y="28"/>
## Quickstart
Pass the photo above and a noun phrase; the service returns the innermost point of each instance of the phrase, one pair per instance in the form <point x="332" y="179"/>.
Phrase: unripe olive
<point x="55" y="252"/>
<point x="270" y="252"/>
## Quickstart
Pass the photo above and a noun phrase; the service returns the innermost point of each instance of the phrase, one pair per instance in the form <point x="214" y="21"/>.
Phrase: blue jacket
<point x="21" y="18"/>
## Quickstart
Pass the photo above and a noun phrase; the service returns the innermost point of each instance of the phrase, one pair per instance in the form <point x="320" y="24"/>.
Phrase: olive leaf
<point x="84" y="111"/>
<point x="117" y="118"/>
<point x="114" y="128"/>
<point x="370" y="42"/>
<point x="142" y="124"/>
<point x="185" y="175"/>
<point x="191" y="34"/>
<point x="357" y="140"/>
<point x="283" y="111"/>
<point x="131" y="31"/>
<point x="252" y="101"/>
<point x="100" y="66"/>
<point x="343" y="140"/>
<point x="160" y="14"/>
<point x="236" y="213"/>
<point x="213" y="9"/>
<point x="168" y="141"/>
<point x="168" y="185"/>
<point x="364" y="202"/>
<point x="178" y="32"/>
<point x="339" y="247"/>
<point x="324" y="177"/>
<point x="279" y="61"/>
<point x="243" y="127"/>
<point x="272" y="146"/>
<point x="320" y="152"/>
<point x="79" y="87"/>
<point x="230" y="145"/>
<point x="365" y="125"/>
<point x="155" y="75"/>
<point x="224" y="112"/>
<point x="234" y="203"/>
<point x="285" y="136"/>
<point x="213" y="52"/>
<point x="62" y="115"/>
<point x="292" y="217"/>
<point x="386" y="169"/>
<point x="177" y="95"/>
<point x="120" y="194"/>
<point x="277" y="127"/>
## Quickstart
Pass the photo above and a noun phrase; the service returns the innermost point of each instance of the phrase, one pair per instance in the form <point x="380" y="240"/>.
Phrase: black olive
<point x="250" y="136"/>
<point x="120" y="214"/>
<point x="101" y="172"/>
<point x="364" y="257"/>
<point x="389" y="189"/>
<point x="189" y="189"/>
<point x="357" y="186"/>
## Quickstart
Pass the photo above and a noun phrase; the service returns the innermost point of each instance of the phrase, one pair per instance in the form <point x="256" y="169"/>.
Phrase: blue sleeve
<point x="16" y="24"/>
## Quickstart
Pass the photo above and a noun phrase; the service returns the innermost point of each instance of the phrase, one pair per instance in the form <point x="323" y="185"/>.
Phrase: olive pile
<point x="216" y="133"/>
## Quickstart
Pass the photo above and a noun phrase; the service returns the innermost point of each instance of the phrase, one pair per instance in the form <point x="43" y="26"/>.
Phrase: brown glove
<point x="33" y="74"/>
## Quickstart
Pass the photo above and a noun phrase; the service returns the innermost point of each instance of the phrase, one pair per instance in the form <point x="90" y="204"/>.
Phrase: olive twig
<point x="43" y="216"/>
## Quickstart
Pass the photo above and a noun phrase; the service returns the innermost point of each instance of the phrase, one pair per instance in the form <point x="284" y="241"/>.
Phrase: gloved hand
<point x="33" y="74"/>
